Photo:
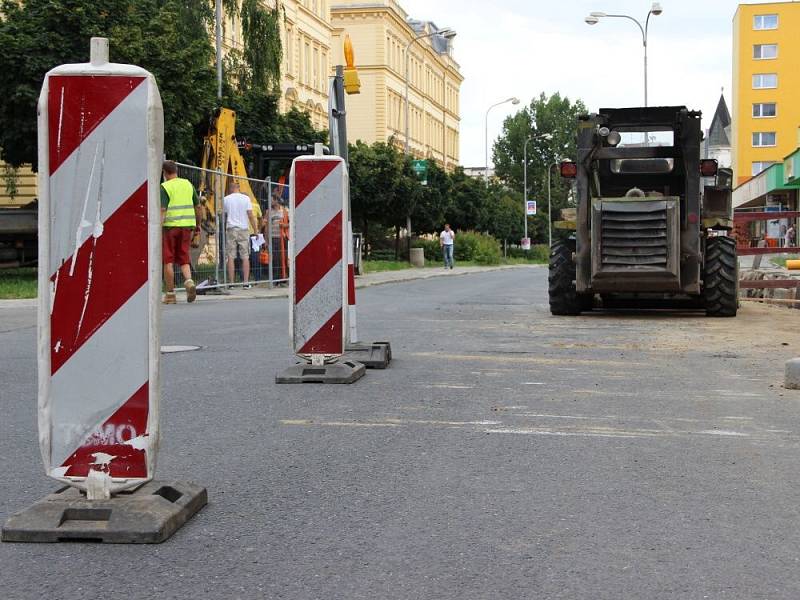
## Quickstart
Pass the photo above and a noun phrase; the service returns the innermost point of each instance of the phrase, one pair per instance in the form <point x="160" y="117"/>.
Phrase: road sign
<point x="100" y="149"/>
<point x="318" y="255"/>
<point x="421" y="169"/>
<point x="530" y="207"/>
<point x="526" y="243"/>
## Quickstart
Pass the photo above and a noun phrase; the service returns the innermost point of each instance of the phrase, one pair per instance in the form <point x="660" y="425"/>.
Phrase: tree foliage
<point x="169" y="38"/>
<point x="258" y="64"/>
<point x="550" y="124"/>
<point x="384" y="190"/>
<point x="383" y="187"/>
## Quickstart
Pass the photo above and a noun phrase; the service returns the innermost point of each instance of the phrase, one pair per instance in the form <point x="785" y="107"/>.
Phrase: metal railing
<point x="269" y="249"/>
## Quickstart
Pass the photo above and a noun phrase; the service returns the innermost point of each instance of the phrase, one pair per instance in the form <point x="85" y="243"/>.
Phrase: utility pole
<point x="218" y="28"/>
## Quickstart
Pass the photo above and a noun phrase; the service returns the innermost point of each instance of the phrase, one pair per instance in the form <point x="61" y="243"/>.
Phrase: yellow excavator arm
<point x="221" y="155"/>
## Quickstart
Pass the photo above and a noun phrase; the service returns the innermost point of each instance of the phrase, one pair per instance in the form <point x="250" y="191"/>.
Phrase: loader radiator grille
<point x="634" y="238"/>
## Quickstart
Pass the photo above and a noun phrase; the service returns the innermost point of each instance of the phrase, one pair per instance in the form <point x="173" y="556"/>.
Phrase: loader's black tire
<point x="721" y="277"/>
<point x="564" y="299"/>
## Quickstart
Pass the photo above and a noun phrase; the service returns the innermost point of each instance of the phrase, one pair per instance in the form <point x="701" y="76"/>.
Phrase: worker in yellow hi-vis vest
<point x="180" y="218"/>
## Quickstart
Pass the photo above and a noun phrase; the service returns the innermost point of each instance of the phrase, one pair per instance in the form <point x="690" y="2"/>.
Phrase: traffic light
<point x="352" y="85"/>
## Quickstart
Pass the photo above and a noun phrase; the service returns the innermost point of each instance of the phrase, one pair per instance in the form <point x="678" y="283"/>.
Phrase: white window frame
<point x="763" y="166"/>
<point x="761" y="105"/>
<point x="760" y="135"/>
<point x="764" y="87"/>
<point x="762" y="17"/>
<point x="760" y="47"/>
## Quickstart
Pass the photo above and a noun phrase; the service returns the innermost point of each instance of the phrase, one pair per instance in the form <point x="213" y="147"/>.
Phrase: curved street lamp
<point x="655" y="9"/>
<point x="447" y="34"/>
<point x="513" y="100"/>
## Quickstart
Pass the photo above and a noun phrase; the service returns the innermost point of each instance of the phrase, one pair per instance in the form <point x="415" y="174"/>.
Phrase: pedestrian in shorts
<point x="180" y="217"/>
<point x="239" y="219"/>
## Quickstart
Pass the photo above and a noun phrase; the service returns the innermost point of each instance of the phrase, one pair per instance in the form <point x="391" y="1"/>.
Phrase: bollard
<point x="792" y="374"/>
<point x="100" y="149"/>
<point x="318" y="272"/>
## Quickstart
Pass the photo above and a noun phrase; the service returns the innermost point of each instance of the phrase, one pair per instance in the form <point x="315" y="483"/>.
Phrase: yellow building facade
<point x="380" y="31"/>
<point x="766" y="86"/>
<point x="306" y="41"/>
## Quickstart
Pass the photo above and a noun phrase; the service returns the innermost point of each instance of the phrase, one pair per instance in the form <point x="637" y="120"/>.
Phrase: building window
<point x="763" y="81"/>
<point x="765" y="51"/>
<point x="765" y="109"/>
<point x="761" y="165"/>
<point x="307" y="79"/>
<point x="316" y="85"/>
<point x="762" y="22"/>
<point x="763" y="138"/>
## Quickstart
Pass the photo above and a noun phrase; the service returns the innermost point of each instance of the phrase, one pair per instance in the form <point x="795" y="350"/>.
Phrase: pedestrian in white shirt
<point x="239" y="220"/>
<point x="446" y="240"/>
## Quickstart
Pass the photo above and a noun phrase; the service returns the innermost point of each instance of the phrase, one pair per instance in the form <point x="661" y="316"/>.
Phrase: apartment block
<point x="766" y="86"/>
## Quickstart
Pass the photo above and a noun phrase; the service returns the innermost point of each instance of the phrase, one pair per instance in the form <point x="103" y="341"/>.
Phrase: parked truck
<point x="18" y="211"/>
<point x="653" y="219"/>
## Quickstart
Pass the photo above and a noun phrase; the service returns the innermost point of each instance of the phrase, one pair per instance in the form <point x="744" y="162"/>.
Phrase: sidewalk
<point x="362" y="281"/>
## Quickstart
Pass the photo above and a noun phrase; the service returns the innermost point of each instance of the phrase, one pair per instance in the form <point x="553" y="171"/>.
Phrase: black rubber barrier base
<point x="347" y="371"/>
<point x="148" y="515"/>
<point x="375" y="355"/>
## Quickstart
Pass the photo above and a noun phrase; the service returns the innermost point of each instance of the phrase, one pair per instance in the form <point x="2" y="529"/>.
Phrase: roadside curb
<point x="362" y="281"/>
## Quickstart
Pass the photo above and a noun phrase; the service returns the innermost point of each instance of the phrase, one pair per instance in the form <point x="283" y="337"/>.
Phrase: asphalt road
<point x="505" y="454"/>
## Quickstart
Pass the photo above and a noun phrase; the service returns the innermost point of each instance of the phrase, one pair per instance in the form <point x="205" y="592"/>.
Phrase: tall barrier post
<point x="318" y="271"/>
<point x="100" y="151"/>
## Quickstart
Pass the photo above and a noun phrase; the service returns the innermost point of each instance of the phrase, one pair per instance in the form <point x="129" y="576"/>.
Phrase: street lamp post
<point x="525" y="188"/>
<point x="218" y="36"/>
<point x="544" y="136"/>
<point x="655" y="9"/>
<point x="513" y="100"/>
<point x="447" y="34"/>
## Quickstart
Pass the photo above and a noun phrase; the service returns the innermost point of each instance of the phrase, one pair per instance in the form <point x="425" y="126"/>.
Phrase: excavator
<point x="222" y="162"/>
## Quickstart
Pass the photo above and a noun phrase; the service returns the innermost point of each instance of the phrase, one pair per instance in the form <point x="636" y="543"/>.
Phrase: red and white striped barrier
<point x="318" y="256"/>
<point x="100" y="149"/>
<point x="352" y="327"/>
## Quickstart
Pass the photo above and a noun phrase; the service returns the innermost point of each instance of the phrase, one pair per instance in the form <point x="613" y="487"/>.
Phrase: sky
<point x="521" y="48"/>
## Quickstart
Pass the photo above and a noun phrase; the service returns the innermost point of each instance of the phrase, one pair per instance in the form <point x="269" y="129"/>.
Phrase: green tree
<point x="258" y="64"/>
<point x="384" y="189"/>
<point x="505" y="217"/>
<point x="258" y="119"/>
<point x="434" y="197"/>
<point x="468" y="206"/>
<point x="169" y="38"/>
<point x="550" y="124"/>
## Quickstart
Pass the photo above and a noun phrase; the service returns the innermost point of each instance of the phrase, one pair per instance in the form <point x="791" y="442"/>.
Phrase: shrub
<point x="382" y="254"/>
<point x="470" y="247"/>
<point x="433" y="252"/>
<point x="538" y="253"/>
<point x="481" y="248"/>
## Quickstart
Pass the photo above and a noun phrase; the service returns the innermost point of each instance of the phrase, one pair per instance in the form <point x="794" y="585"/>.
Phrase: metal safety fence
<point x="267" y="261"/>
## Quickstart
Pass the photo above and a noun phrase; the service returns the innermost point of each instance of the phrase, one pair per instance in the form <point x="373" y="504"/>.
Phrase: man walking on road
<point x="240" y="218"/>
<point x="180" y="217"/>
<point x="446" y="240"/>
